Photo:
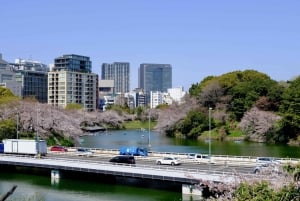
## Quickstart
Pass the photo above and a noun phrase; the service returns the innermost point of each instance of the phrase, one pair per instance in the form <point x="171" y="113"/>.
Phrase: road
<point x="218" y="166"/>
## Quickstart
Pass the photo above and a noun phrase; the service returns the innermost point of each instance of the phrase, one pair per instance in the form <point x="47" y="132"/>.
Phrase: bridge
<point x="187" y="174"/>
<point x="164" y="173"/>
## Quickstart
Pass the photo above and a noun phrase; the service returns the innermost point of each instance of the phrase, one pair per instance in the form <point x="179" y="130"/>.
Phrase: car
<point x="58" y="148"/>
<point x="191" y="155"/>
<point x="123" y="159"/>
<point x="200" y="158"/>
<point x="84" y="152"/>
<point x="266" y="160"/>
<point x="266" y="168"/>
<point x="168" y="161"/>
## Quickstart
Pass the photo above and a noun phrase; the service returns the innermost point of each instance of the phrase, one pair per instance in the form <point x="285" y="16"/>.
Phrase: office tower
<point x="8" y="78"/>
<point x="32" y="76"/>
<point x="71" y="81"/>
<point x="155" y="77"/>
<point x="119" y="72"/>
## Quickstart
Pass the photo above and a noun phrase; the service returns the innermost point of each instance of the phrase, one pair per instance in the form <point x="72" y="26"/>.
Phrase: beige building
<point x="65" y="87"/>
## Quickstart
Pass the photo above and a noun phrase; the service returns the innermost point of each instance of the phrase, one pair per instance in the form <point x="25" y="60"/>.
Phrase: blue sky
<point x="198" y="38"/>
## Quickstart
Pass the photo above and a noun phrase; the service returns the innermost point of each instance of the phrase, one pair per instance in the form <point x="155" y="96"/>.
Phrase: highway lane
<point x="236" y="167"/>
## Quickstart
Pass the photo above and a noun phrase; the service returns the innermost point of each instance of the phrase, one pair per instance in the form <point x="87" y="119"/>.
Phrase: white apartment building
<point x="65" y="87"/>
<point x="173" y="95"/>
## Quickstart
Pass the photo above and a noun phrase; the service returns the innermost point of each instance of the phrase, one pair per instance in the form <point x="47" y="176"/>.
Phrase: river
<point x="161" y="143"/>
<point x="39" y="187"/>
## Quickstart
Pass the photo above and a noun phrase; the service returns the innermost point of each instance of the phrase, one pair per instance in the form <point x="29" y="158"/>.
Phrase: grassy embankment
<point x="132" y="125"/>
<point x="215" y="134"/>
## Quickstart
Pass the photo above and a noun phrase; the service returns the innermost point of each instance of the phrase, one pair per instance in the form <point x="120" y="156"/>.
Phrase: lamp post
<point x="37" y="134"/>
<point x="209" y="133"/>
<point x="17" y="125"/>
<point x="37" y="122"/>
<point x="149" y="144"/>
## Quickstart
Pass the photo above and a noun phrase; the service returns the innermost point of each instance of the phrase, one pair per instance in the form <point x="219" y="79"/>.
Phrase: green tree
<point x="7" y="129"/>
<point x="247" y="91"/>
<point x="6" y="95"/>
<point x="259" y="192"/>
<point x="290" y="110"/>
<point x="194" y="124"/>
<point x="195" y="89"/>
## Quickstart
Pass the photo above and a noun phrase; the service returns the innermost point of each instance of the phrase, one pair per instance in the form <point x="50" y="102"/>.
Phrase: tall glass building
<point x="155" y="77"/>
<point x="33" y="78"/>
<point x="120" y="73"/>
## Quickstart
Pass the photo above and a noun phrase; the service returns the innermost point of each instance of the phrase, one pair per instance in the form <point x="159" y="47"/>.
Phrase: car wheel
<point x="172" y="163"/>
<point x="256" y="171"/>
<point x="158" y="163"/>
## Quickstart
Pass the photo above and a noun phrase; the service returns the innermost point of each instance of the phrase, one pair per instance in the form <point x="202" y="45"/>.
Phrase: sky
<point x="198" y="38"/>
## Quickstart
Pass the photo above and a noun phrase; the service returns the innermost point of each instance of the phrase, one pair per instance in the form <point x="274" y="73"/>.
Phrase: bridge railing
<point x="183" y="156"/>
<point x="149" y="171"/>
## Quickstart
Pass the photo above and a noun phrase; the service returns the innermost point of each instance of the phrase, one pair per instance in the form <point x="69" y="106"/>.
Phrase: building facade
<point x="120" y="73"/>
<point x="33" y="78"/>
<point x="73" y="62"/>
<point x="8" y="78"/>
<point x="155" y="77"/>
<point x="70" y="81"/>
<point x="106" y="93"/>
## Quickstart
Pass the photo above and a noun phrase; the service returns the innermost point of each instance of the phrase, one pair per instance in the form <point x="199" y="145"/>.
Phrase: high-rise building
<point x="33" y="78"/>
<point x="71" y="81"/>
<point x="72" y="62"/>
<point x="120" y="73"/>
<point x="8" y="78"/>
<point x="155" y="77"/>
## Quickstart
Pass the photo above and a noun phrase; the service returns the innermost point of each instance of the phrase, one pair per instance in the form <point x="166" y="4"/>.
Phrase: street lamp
<point x="17" y="125"/>
<point x="37" y="133"/>
<point x="209" y="142"/>
<point x="149" y="144"/>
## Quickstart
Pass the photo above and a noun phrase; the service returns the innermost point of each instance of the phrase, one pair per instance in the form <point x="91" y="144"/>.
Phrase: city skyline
<point x="197" y="38"/>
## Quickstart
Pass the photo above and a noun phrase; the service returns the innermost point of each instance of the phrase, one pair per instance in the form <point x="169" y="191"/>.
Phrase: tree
<point x="211" y="94"/>
<point x="290" y="110"/>
<point x="7" y="129"/>
<point x="258" y="125"/>
<point x="194" y="124"/>
<point x="6" y="95"/>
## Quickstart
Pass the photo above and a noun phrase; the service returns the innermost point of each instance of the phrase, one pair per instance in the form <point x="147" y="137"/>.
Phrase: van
<point x="201" y="158"/>
<point x="123" y="159"/>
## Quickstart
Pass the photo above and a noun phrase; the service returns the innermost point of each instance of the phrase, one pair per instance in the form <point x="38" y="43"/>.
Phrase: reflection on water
<point x="39" y="188"/>
<point x="161" y="143"/>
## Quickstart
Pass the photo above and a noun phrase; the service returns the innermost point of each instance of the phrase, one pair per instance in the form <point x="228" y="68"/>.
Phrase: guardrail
<point x="170" y="173"/>
<point x="121" y="165"/>
<point x="219" y="158"/>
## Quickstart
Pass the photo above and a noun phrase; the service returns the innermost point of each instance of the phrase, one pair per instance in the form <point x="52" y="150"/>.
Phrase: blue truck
<point x="1" y="148"/>
<point x="135" y="151"/>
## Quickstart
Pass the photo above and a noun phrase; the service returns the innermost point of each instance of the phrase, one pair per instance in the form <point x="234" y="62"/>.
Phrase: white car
<point x="84" y="152"/>
<point x="200" y="158"/>
<point x="168" y="161"/>
<point x="266" y="160"/>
